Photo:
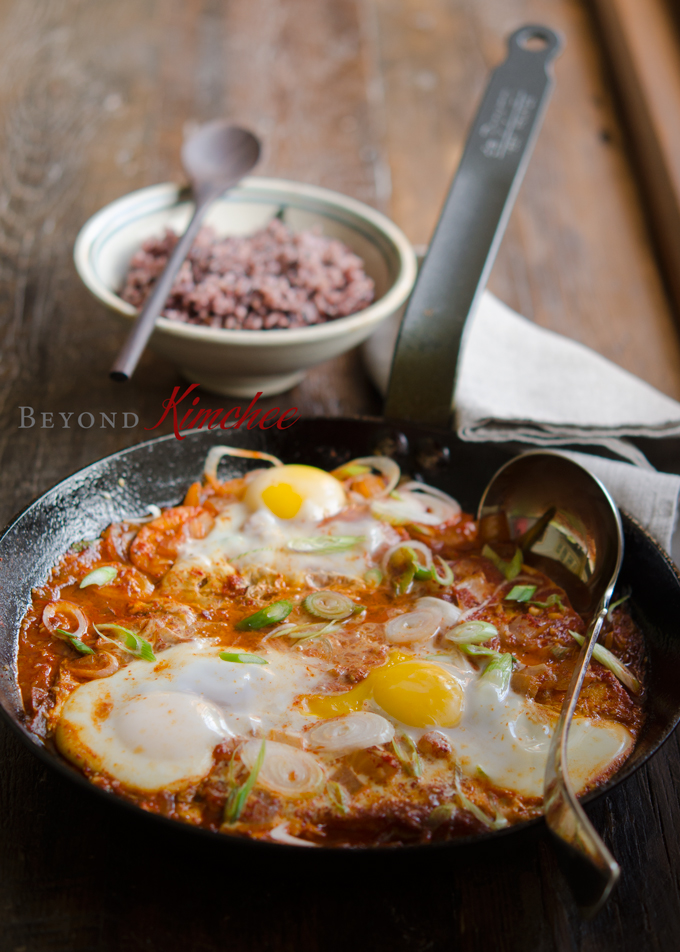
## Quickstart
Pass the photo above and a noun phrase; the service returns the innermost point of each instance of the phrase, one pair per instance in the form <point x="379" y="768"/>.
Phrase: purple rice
<point x="274" y="278"/>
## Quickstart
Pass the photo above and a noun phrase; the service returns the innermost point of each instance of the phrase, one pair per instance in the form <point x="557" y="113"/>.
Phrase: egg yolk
<point x="414" y="692"/>
<point x="296" y="491"/>
<point x="420" y="694"/>
<point x="282" y="499"/>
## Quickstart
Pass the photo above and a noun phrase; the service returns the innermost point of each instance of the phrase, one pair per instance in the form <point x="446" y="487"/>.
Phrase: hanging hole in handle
<point x="537" y="39"/>
<point x="534" y="42"/>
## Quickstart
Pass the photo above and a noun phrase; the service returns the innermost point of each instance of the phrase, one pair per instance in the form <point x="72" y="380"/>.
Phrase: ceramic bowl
<point x="242" y="363"/>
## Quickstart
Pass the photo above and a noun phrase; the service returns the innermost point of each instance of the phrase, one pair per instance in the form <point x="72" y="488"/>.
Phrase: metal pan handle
<point x="469" y="231"/>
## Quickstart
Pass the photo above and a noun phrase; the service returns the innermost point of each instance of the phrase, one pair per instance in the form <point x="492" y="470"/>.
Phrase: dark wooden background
<point x="370" y="97"/>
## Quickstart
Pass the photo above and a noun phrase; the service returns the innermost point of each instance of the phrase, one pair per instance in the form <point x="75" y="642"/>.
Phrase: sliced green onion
<point x="422" y="572"/>
<point x="407" y="755"/>
<point x="132" y="642"/>
<point x="560" y="651"/>
<point x="325" y="543"/>
<point x="442" y="814"/>
<point x="82" y="545"/>
<point x="509" y="569"/>
<point x="358" y="609"/>
<point x="242" y="657"/>
<point x="337" y="796"/>
<point x="329" y="604"/>
<point x="373" y="577"/>
<point x="100" y="576"/>
<point x="72" y="640"/>
<point x="351" y="469"/>
<point x="619" y="601"/>
<point x="548" y="603"/>
<point x="238" y="796"/>
<point x="610" y="661"/>
<point x="471" y="633"/>
<point x="520" y="593"/>
<point x="412" y="552"/>
<point x="277" y="611"/>
<point x="403" y="582"/>
<point x="499" y="671"/>
<point x="477" y="651"/>
<point x="444" y="578"/>
<point x="496" y="824"/>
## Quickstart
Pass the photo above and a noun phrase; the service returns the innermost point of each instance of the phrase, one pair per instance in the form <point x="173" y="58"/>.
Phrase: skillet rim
<point x="52" y="759"/>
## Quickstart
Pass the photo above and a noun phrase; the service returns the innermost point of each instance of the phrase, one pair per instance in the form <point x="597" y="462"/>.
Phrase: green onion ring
<point x="328" y="604"/>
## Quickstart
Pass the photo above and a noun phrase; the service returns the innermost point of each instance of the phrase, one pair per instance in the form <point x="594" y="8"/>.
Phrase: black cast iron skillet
<point x="159" y="471"/>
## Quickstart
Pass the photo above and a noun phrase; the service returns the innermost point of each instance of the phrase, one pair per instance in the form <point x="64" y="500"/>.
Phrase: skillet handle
<point x="470" y="229"/>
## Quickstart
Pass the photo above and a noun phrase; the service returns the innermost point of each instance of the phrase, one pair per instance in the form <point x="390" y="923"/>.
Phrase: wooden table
<point x="370" y="97"/>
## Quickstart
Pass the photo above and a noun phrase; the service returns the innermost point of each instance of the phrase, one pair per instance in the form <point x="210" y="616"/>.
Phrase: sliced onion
<point x="281" y="835"/>
<point x="285" y="769"/>
<point x="330" y="605"/>
<point x="384" y="465"/>
<point x="413" y="626"/>
<point x="307" y="632"/>
<point x="414" y="546"/>
<point x="405" y="507"/>
<point x="356" y="731"/>
<point x="283" y="629"/>
<point x="87" y="668"/>
<point x="217" y="452"/>
<point x="426" y="490"/>
<point x="450" y="613"/>
<point x="472" y="633"/>
<point x="64" y="608"/>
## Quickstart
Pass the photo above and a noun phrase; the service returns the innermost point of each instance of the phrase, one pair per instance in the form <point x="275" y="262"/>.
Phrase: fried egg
<point x="155" y="726"/>
<point x="501" y="733"/>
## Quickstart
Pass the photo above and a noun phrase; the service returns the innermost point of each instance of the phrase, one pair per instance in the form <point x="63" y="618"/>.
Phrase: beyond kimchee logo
<point x="185" y="415"/>
<point x="195" y="417"/>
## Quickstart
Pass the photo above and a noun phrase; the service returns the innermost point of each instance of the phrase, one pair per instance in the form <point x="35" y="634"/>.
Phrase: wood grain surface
<point x="370" y="97"/>
<point x="643" y="46"/>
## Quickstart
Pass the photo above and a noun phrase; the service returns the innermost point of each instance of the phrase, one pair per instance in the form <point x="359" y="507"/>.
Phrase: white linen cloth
<point x="518" y="381"/>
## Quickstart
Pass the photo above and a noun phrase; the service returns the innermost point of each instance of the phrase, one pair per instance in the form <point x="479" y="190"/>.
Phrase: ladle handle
<point x="470" y="229"/>
<point x="588" y="866"/>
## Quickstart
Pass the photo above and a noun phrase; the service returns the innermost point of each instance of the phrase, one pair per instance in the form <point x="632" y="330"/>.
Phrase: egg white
<point x="155" y="726"/>
<point x="256" y="545"/>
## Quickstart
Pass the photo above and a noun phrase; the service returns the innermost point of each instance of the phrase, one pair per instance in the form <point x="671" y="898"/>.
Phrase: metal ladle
<point x="577" y="539"/>
<point x="215" y="158"/>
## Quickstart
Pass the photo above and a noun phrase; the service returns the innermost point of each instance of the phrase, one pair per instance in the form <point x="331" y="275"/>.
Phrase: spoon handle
<point x="588" y="865"/>
<point x="142" y="329"/>
<point x="470" y="229"/>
